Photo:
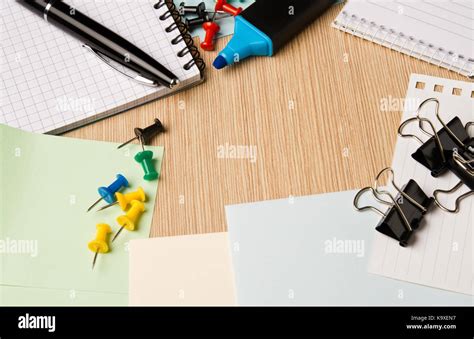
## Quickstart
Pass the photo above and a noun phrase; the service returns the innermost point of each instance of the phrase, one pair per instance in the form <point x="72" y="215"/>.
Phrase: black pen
<point x="106" y="44"/>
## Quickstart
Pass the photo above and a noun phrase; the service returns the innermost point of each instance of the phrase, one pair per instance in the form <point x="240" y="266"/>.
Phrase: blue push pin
<point x="108" y="193"/>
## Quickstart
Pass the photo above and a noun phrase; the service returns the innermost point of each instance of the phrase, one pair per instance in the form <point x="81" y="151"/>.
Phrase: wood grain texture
<point x="335" y="138"/>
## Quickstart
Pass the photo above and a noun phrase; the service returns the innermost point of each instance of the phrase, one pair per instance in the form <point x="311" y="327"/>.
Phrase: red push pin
<point x="211" y="29"/>
<point x="222" y="5"/>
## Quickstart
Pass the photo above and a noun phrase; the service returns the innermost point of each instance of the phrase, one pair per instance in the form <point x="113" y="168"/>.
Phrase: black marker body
<point x="281" y="20"/>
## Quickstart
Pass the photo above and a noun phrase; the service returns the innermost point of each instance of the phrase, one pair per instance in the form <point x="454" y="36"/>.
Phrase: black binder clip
<point x="449" y="149"/>
<point x="406" y="210"/>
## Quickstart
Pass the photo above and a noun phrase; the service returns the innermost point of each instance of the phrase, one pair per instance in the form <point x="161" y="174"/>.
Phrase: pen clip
<point x="138" y="78"/>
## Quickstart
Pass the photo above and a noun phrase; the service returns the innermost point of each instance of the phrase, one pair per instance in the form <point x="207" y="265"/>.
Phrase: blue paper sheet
<point x="314" y="251"/>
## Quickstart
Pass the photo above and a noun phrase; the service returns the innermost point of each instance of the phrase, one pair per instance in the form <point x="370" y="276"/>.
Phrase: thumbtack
<point x="145" y="158"/>
<point x="196" y="21"/>
<point x="129" y="220"/>
<point x="199" y="10"/>
<point x="146" y="134"/>
<point x="191" y="23"/>
<point x="222" y="5"/>
<point x="108" y="193"/>
<point x="211" y="29"/>
<point x="123" y="200"/>
<point x="99" y="244"/>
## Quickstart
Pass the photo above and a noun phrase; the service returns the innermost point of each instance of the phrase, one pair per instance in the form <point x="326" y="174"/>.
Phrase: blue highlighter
<point x="266" y="25"/>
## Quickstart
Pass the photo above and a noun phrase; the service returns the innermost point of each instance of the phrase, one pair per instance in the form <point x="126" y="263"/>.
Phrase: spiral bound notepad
<point x="51" y="84"/>
<point x="441" y="255"/>
<point x="440" y="32"/>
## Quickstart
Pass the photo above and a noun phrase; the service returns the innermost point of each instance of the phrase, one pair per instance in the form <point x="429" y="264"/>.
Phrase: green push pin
<point x="145" y="158"/>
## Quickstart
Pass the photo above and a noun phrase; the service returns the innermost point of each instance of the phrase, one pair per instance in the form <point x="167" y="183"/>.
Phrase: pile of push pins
<point x="207" y="18"/>
<point x="131" y="203"/>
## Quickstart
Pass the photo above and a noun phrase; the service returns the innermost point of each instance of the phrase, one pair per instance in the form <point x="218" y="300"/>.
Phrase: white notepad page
<point x="442" y="252"/>
<point x="50" y="81"/>
<point x="437" y="31"/>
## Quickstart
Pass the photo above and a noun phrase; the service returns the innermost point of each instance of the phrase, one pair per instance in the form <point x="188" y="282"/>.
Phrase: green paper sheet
<point x="46" y="185"/>
<point x="25" y="296"/>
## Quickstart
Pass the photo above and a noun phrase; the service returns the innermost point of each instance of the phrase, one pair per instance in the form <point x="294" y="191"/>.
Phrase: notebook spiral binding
<point x="435" y="55"/>
<point x="183" y="36"/>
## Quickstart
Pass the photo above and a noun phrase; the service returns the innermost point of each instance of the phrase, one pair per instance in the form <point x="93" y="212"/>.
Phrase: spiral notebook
<point x="51" y="84"/>
<point x="441" y="254"/>
<point x="440" y="32"/>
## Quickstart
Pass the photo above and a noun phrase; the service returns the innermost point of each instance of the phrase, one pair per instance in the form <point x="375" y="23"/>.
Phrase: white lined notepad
<point x="442" y="253"/>
<point x="437" y="31"/>
<point x="51" y="83"/>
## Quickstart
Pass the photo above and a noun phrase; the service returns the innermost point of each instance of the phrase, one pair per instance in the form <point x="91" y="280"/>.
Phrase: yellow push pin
<point x="129" y="220"/>
<point x="123" y="200"/>
<point x="99" y="244"/>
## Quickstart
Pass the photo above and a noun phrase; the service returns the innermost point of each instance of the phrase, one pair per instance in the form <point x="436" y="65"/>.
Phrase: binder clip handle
<point x="400" y="191"/>
<point x="355" y="202"/>
<point x="406" y="209"/>
<point x="457" y="202"/>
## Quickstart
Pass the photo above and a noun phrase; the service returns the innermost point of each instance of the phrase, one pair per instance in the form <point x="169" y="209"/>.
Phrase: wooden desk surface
<point x="312" y="112"/>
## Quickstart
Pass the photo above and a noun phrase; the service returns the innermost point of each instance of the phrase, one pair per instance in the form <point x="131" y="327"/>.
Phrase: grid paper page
<point x="442" y="252"/>
<point x="437" y="31"/>
<point x="49" y="80"/>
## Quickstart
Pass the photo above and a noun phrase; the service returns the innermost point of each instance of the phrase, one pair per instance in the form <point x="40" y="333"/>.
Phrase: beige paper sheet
<point x="193" y="270"/>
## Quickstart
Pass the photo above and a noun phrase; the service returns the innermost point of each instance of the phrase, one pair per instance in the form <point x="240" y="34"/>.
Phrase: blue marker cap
<point x="267" y="25"/>
<point x="108" y="193"/>
<point x="247" y="41"/>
